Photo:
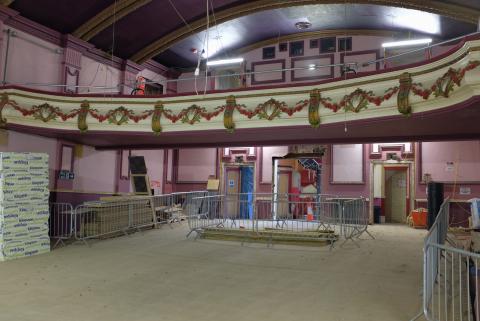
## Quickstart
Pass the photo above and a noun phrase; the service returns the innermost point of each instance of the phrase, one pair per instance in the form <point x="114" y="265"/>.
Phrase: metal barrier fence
<point x="292" y="213"/>
<point x="172" y="207"/>
<point x="451" y="281"/>
<point x="103" y="219"/>
<point x="355" y="219"/>
<point x="61" y="223"/>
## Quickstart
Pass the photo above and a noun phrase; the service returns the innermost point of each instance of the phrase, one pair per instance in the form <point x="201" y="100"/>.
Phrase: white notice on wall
<point x="465" y="190"/>
<point x="449" y="167"/>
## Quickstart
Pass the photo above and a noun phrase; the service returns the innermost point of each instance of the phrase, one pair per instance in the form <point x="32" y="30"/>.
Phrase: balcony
<point x="428" y="100"/>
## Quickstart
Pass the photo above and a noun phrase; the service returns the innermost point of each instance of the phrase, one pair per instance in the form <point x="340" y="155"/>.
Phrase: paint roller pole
<point x="4" y="81"/>
<point x="318" y="172"/>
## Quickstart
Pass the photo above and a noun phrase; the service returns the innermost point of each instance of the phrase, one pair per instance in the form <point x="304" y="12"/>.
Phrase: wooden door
<point x="232" y="188"/>
<point x="283" y="190"/>
<point x="396" y="196"/>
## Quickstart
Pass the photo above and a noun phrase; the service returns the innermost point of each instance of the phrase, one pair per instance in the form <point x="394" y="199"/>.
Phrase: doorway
<point x="392" y="190"/>
<point x="396" y="194"/>
<point x="284" y="179"/>
<point x="239" y="190"/>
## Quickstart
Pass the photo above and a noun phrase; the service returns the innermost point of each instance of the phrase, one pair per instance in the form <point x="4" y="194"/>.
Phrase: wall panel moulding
<point x="229" y="153"/>
<point x="406" y="150"/>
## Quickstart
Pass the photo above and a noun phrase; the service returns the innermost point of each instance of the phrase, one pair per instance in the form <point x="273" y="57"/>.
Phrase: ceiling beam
<point x="6" y="3"/>
<point x="457" y="12"/>
<point x="107" y="17"/>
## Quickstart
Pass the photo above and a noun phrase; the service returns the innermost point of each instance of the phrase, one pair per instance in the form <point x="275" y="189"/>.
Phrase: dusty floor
<point x="159" y="275"/>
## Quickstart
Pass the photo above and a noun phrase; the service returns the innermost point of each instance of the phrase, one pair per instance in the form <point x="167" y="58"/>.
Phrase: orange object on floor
<point x="309" y="213"/>
<point x="419" y="218"/>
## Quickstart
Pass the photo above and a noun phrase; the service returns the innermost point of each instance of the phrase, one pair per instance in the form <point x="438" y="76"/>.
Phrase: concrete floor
<point x="159" y="275"/>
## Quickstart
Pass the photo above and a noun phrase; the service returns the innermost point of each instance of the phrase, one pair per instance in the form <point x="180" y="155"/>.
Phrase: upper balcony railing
<point x="447" y="79"/>
<point x="391" y="60"/>
<point x="387" y="61"/>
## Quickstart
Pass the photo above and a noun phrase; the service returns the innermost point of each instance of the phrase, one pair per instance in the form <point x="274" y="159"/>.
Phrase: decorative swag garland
<point x="269" y="110"/>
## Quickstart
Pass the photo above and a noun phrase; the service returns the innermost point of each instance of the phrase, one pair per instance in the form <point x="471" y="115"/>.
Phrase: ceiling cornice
<point x="158" y="46"/>
<point x="107" y="17"/>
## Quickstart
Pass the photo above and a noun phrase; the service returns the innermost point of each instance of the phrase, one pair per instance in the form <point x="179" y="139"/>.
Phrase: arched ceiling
<point x="144" y="29"/>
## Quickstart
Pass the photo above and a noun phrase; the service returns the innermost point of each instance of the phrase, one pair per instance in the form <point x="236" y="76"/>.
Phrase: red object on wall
<point x="307" y="178"/>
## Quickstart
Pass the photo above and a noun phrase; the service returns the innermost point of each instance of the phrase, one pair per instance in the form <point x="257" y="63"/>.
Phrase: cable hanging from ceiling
<point x="344" y="70"/>
<point x="113" y="43"/>
<point x="245" y="74"/>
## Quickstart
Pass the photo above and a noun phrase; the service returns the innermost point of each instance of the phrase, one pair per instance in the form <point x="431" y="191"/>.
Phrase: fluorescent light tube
<point x="224" y="62"/>
<point x="407" y="43"/>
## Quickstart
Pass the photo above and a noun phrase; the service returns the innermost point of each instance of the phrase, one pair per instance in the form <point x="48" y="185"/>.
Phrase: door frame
<point x="411" y="175"/>
<point x="227" y="166"/>
<point x="289" y="173"/>
<point x="407" y="194"/>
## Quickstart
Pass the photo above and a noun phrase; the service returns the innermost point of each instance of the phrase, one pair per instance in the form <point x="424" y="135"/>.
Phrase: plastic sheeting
<point x="246" y="190"/>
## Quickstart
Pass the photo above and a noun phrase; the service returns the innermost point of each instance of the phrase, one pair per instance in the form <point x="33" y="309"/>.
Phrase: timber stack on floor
<point x="24" y="208"/>
<point x="117" y="215"/>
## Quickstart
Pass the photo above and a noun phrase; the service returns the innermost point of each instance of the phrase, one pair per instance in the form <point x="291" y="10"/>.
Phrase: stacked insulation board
<point x="24" y="208"/>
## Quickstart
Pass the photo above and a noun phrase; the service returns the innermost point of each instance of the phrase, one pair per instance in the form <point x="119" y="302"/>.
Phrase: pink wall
<point x="95" y="171"/>
<point x="364" y="49"/>
<point x="196" y="164"/>
<point x="360" y="44"/>
<point x="19" y="142"/>
<point x="348" y="190"/>
<point x="97" y="74"/>
<point x="31" y="60"/>
<point x="466" y="158"/>
<point x="190" y="173"/>
<point x="268" y="152"/>
<point x="188" y="86"/>
<point x="36" y="59"/>
<point x="452" y="161"/>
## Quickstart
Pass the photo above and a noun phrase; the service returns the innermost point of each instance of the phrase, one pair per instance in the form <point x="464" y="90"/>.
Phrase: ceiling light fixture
<point x="224" y="62"/>
<point x="405" y="43"/>
<point x="302" y="25"/>
<point x="311" y="67"/>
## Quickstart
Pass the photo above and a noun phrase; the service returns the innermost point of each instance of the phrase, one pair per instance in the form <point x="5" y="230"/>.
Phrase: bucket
<point x="419" y="218"/>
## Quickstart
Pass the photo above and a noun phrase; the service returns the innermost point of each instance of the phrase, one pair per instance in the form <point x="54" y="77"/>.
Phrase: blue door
<point x="246" y="190"/>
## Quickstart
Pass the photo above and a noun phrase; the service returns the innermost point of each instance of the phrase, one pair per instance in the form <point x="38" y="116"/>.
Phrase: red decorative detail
<point x="359" y="93"/>
<point x="194" y="109"/>
<point x="282" y="107"/>
<point x="355" y="101"/>
<point x="35" y="109"/>
<point x="444" y="84"/>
